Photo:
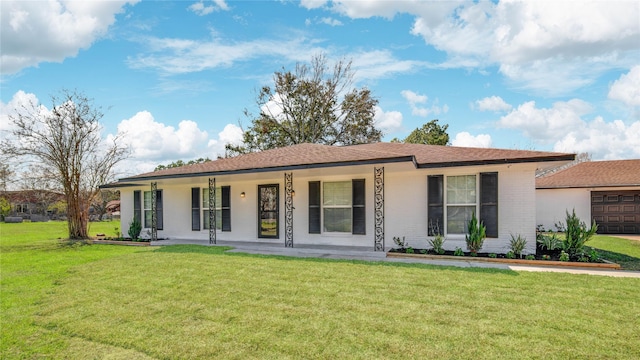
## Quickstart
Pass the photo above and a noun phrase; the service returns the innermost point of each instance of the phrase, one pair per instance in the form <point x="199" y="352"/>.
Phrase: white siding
<point x="552" y="205"/>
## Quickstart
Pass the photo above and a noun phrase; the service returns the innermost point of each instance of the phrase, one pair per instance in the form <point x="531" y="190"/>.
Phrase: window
<point x="148" y="211"/>
<point x="342" y="207"/>
<point x="336" y="206"/>
<point x="460" y="201"/>
<point x="222" y="208"/>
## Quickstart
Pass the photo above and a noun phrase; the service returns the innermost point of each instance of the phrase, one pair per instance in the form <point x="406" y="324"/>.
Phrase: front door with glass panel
<point x="268" y="211"/>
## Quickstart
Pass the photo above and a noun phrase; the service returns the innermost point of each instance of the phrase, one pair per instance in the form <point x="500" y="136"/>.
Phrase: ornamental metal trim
<point x="212" y="211"/>
<point x="154" y="209"/>
<point x="288" y="209"/>
<point x="378" y="197"/>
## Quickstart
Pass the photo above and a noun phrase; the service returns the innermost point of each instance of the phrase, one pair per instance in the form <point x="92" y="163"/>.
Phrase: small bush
<point x="510" y="255"/>
<point x="546" y="257"/>
<point x="517" y="244"/>
<point x="476" y="232"/>
<point x="530" y="257"/>
<point x="410" y="250"/>
<point x="436" y="244"/>
<point x="564" y="256"/>
<point x="458" y="252"/>
<point x="493" y="255"/>
<point x="577" y="235"/>
<point x="549" y="242"/>
<point x="134" y="229"/>
<point x="400" y="243"/>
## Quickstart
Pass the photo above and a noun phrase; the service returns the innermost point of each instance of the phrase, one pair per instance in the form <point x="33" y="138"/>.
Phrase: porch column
<point x="212" y="211"/>
<point x="154" y="209"/>
<point x="378" y="196"/>
<point x="288" y="210"/>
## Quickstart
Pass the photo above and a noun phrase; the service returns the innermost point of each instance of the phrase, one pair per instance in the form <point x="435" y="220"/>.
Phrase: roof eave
<point x="569" y="157"/>
<point x="410" y="158"/>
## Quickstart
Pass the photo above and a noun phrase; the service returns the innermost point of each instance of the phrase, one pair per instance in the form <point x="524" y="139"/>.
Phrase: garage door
<point x="616" y="212"/>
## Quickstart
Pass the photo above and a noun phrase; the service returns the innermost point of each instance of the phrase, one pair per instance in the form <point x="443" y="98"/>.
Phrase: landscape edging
<point x="606" y="265"/>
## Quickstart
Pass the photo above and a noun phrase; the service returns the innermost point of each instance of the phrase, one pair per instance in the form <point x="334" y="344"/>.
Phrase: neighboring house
<point x="607" y="192"/>
<point x="32" y="204"/>
<point x="360" y="195"/>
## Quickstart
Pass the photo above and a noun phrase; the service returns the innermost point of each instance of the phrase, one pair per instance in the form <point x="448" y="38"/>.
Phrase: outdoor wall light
<point x="242" y="194"/>
<point x="293" y="193"/>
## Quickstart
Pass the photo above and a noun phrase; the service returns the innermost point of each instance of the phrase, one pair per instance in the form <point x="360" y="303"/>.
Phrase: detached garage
<point x="607" y="192"/>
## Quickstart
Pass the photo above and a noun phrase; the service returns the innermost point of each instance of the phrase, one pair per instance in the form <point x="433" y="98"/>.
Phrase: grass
<point x="105" y="301"/>
<point x="622" y="251"/>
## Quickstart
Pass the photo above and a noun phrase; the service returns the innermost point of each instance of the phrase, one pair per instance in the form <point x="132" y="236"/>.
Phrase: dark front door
<point x="616" y="212"/>
<point x="268" y="211"/>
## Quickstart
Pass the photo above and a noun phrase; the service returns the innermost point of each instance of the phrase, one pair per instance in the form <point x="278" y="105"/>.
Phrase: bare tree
<point x="66" y="141"/>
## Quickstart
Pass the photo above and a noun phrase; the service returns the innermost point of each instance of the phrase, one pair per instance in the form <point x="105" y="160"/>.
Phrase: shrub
<point x="458" y="252"/>
<point x="549" y="242"/>
<point x="476" y="232"/>
<point x="510" y="255"/>
<point x="564" y="256"/>
<point x="410" y="250"/>
<point x="517" y="244"/>
<point x="594" y="256"/>
<point x="546" y="257"/>
<point x="493" y="255"/>
<point x="577" y="234"/>
<point x="135" y="227"/>
<point x="436" y="244"/>
<point x="530" y="257"/>
<point x="400" y="243"/>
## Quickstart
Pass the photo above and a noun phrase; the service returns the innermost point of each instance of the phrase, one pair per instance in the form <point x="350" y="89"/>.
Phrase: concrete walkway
<point x="367" y="254"/>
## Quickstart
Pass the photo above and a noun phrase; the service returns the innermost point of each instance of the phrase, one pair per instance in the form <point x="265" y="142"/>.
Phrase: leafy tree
<point x="311" y="105"/>
<point x="5" y="207"/>
<point x="66" y="141"/>
<point x="6" y="175"/>
<point x="180" y="163"/>
<point x="429" y="134"/>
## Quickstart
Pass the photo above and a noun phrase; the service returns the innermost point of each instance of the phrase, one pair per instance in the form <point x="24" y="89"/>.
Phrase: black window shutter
<point x="195" y="209"/>
<point x="435" y="204"/>
<point x="358" y="207"/>
<point x="159" y="223"/>
<point x="226" y="208"/>
<point x="489" y="202"/>
<point x="137" y="210"/>
<point x="314" y="207"/>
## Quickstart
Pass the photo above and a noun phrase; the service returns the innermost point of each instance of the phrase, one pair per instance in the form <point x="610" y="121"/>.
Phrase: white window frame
<point x="475" y="205"/>
<point x="336" y="206"/>
<point x="145" y="210"/>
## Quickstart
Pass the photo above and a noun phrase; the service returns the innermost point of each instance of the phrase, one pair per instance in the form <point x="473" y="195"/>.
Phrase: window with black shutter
<point x="226" y="208"/>
<point x="195" y="209"/>
<point x="435" y="204"/>
<point x="489" y="202"/>
<point x="358" y="207"/>
<point x="314" y="207"/>
<point x="137" y="206"/>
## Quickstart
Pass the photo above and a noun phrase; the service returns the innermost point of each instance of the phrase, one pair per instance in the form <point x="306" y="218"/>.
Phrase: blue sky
<point x="175" y="77"/>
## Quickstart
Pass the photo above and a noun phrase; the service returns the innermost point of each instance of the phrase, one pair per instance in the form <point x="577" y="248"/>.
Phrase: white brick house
<point x="360" y="195"/>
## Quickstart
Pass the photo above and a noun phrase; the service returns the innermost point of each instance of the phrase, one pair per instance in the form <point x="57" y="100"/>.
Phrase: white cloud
<point x="14" y="107"/>
<point x="201" y="9"/>
<point x="312" y="4"/>
<point x="493" y="103"/>
<point x="546" y="125"/>
<point x="546" y="46"/>
<point x="603" y="140"/>
<point x="152" y="140"/>
<point x="387" y="121"/>
<point x="331" y="21"/>
<point x="414" y="99"/>
<point x="563" y="126"/>
<point x="464" y="139"/>
<point x="37" y="31"/>
<point x="627" y="88"/>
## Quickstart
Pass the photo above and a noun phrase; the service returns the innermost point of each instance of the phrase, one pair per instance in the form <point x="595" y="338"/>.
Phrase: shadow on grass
<point x="222" y="250"/>
<point x="626" y="262"/>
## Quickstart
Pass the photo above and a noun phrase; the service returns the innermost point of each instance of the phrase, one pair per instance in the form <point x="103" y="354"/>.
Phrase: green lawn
<point x="622" y="251"/>
<point x="117" y="302"/>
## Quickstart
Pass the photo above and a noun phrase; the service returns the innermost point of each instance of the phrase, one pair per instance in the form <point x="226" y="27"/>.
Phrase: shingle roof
<point x="316" y="155"/>
<point x="594" y="174"/>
